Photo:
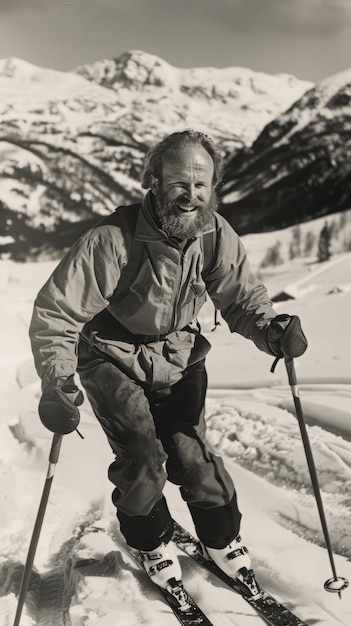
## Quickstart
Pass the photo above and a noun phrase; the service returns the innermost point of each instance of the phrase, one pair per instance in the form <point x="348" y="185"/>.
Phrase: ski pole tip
<point x="336" y="585"/>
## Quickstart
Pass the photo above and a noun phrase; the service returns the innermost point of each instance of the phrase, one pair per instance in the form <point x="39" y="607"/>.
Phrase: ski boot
<point x="235" y="562"/>
<point x="161" y="565"/>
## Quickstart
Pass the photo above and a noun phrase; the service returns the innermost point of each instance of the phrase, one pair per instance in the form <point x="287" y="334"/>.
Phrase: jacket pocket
<point x="190" y="307"/>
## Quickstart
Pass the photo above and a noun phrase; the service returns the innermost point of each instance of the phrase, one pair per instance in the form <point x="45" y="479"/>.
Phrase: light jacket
<point x="133" y="294"/>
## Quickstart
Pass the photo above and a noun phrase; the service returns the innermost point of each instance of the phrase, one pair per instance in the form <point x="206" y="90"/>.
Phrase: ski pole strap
<point x="275" y="363"/>
<point x="290" y="368"/>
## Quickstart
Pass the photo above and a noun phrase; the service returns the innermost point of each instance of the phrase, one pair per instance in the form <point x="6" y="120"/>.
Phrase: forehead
<point x="188" y="162"/>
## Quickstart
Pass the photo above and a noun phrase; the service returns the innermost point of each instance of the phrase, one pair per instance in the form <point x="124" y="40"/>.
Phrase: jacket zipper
<point x="177" y="290"/>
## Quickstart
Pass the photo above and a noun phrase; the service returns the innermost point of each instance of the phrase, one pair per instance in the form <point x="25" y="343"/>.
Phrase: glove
<point x="58" y="406"/>
<point x="285" y="337"/>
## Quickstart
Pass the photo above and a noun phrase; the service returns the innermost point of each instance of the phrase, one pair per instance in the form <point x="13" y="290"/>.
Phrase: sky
<point x="310" y="39"/>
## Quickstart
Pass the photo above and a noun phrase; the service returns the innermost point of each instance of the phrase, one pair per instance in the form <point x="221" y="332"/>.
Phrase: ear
<point x="154" y="184"/>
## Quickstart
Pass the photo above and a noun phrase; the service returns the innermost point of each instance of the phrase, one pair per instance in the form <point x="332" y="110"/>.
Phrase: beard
<point x="181" y="225"/>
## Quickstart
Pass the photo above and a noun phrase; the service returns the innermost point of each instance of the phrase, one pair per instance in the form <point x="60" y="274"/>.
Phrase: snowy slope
<point x="86" y="574"/>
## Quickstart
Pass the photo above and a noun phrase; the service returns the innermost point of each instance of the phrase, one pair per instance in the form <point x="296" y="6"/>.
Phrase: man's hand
<point x="58" y="406"/>
<point x="285" y="337"/>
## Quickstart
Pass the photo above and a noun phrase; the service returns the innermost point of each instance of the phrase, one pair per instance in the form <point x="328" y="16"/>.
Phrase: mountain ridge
<point x="299" y="165"/>
<point x="73" y="147"/>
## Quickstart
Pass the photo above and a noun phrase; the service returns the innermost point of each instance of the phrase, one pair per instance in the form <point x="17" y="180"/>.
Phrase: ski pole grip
<point x="290" y="368"/>
<point x="55" y="448"/>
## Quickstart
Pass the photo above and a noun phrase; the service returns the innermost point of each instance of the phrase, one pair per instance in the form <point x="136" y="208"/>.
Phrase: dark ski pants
<point x="155" y="436"/>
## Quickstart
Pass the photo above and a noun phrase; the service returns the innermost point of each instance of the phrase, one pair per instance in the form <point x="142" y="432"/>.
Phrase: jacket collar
<point x="147" y="228"/>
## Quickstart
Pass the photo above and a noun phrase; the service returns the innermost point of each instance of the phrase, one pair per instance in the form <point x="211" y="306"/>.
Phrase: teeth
<point x="186" y="208"/>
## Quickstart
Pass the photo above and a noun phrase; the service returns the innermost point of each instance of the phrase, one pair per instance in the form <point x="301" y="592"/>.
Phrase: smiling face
<point x="185" y="196"/>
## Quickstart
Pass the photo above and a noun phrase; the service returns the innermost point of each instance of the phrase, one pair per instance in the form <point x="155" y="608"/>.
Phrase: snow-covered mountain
<point x="72" y="143"/>
<point x="299" y="166"/>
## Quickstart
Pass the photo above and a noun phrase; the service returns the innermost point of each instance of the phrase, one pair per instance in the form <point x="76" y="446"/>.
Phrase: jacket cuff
<point x="263" y="342"/>
<point x="57" y="371"/>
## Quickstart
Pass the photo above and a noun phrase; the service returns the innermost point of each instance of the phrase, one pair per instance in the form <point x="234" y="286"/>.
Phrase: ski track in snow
<point x="84" y="574"/>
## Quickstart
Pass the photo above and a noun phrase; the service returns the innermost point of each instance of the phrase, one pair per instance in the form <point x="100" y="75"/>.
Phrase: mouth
<point x="187" y="208"/>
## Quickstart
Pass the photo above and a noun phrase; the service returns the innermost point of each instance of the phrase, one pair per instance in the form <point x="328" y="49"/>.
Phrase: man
<point x="121" y="309"/>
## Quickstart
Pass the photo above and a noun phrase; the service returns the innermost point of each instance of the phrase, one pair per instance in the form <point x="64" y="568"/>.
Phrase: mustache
<point x="177" y="225"/>
<point x="164" y="205"/>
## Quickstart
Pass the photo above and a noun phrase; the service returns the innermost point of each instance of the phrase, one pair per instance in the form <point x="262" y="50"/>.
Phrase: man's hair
<point x="158" y="153"/>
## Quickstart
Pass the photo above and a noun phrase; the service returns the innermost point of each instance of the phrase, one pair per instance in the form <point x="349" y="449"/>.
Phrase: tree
<point x="310" y="240"/>
<point x="295" y="244"/>
<point x="324" y="243"/>
<point x="273" y="256"/>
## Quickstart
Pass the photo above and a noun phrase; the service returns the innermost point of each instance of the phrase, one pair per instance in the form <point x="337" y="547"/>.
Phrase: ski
<point x="183" y="605"/>
<point x="268" y="608"/>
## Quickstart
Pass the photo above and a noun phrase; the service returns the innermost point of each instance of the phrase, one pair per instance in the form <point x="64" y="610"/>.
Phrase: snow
<point x="85" y="572"/>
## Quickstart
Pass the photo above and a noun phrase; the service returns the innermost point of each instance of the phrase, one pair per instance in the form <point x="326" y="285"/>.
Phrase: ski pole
<point x="336" y="584"/>
<point x="53" y="458"/>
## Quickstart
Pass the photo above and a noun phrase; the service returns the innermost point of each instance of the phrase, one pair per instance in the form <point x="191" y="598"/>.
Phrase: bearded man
<point x="121" y="309"/>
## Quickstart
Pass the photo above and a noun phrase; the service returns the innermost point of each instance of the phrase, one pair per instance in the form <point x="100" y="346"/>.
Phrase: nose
<point x="191" y="192"/>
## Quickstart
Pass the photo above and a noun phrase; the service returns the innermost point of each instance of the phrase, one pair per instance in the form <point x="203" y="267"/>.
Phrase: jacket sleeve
<point x="77" y="290"/>
<point x="241" y="297"/>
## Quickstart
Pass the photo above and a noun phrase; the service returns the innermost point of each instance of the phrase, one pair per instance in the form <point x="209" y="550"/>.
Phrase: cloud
<point x="343" y="5"/>
<point x="322" y="4"/>
<point x="315" y="16"/>
<point x="292" y="13"/>
<point x="295" y="17"/>
<point x="19" y="5"/>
